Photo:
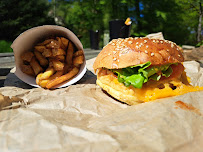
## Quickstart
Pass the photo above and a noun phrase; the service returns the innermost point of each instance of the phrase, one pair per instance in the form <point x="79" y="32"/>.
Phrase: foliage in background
<point x="177" y="19"/>
<point x="17" y="16"/>
<point x="5" y="46"/>
<point x="200" y="44"/>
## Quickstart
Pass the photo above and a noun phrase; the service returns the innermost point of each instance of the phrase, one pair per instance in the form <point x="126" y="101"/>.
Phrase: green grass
<point x="5" y="46"/>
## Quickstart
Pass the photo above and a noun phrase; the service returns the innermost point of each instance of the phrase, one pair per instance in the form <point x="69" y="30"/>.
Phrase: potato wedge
<point x="27" y="56"/>
<point x="27" y="69"/>
<point x="69" y="54"/>
<point x="58" y="51"/>
<point x="78" y="53"/>
<point x="58" y="65"/>
<point x="42" y="60"/>
<point x="62" y="78"/>
<point x="43" y="83"/>
<point x="49" y="72"/>
<point x="65" y="42"/>
<point x="78" y="60"/>
<point x="35" y="66"/>
<point x="47" y="53"/>
<point x="40" y="48"/>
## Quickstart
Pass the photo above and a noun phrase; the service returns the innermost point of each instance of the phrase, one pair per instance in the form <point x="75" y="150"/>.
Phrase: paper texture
<point x="83" y="118"/>
<point x="28" y="39"/>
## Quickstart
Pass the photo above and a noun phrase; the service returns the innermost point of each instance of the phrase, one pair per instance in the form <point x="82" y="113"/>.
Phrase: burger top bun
<point x="122" y="53"/>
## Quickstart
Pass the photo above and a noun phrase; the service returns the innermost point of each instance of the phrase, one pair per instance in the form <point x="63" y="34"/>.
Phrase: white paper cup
<point x="28" y="39"/>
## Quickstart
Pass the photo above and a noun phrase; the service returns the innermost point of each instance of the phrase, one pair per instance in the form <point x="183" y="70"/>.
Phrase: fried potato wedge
<point x="35" y="66"/>
<point x="52" y="62"/>
<point x="65" y="42"/>
<point x="58" y="65"/>
<point x="45" y="42"/>
<point x="42" y="60"/>
<point x="49" y="72"/>
<point x="47" y="53"/>
<point x="78" y="60"/>
<point x="62" y="78"/>
<point x="78" y="53"/>
<point x="40" y="48"/>
<point x="69" y="55"/>
<point x="27" y="69"/>
<point x="27" y="56"/>
<point x="43" y="83"/>
<point x="61" y="45"/>
<point x="53" y="44"/>
<point x="58" y="51"/>
<point x="60" y="58"/>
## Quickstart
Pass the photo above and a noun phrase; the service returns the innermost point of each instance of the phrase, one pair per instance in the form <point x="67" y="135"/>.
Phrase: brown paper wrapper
<point x="83" y="118"/>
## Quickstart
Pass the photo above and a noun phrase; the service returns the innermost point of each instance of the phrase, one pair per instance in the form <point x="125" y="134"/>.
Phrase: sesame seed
<point x="172" y="45"/>
<point x="162" y="42"/>
<point x="114" y="52"/>
<point x="157" y="41"/>
<point x="115" y="65"/>
<point x="137" y="47"/>
<point x="137" y="43"/>
<point x="117" y="60"/>
<point x="179" y="55"/>
<point x="147" y="46"/>
<point x="109" y="54"/>
<point x="167" y="50"/>
<point x="152" y="54"/>
<point x="154" y="41"/>
<point x="114" y="59"/>
<point x="146" y="51"/>
<point x="130" y="42"/>
<point x="145" y="41"/>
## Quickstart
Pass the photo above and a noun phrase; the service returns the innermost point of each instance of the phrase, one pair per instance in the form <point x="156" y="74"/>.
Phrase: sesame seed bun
<point x="122" y="53"/>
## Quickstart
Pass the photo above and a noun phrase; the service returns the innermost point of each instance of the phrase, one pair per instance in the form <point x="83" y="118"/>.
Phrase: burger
<point x="137" y="70"/>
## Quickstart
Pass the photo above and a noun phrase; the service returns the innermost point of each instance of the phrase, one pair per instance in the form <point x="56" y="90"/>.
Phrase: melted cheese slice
<point x="130" y="95"/>
<point x="148" y="94"/>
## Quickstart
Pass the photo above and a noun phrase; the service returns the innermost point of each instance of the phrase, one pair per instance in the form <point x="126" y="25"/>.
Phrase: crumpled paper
<point x="83" y="118"/>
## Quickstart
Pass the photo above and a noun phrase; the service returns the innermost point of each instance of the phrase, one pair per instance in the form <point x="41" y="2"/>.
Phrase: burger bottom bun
<point x="117" y="89"/>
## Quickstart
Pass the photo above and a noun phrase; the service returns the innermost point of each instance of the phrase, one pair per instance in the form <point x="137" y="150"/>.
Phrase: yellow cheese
<point x="148" y="94"/>
<point x="151" y="91"/>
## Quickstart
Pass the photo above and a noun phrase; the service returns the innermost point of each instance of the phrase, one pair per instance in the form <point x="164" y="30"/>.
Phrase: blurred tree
<point x="81" y="16"/>
<point x="192" y="17"/>
<point x="17" y="16"/>
<point x="175" y="18"/>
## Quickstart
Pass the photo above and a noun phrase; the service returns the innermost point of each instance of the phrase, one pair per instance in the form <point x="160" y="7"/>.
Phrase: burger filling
<point x="144" y="82"/>
<point x="142" y="73"/>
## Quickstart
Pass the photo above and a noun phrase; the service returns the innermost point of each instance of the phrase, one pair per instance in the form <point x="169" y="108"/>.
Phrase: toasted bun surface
<point x="117" y="90"/>
<point x="122" y="53"/>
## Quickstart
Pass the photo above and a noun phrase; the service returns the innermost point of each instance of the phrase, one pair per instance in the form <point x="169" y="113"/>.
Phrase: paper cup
<point x="28" y="39"/>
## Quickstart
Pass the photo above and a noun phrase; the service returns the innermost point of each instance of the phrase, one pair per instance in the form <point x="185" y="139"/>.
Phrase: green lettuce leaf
<point x="141" y="73"/>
